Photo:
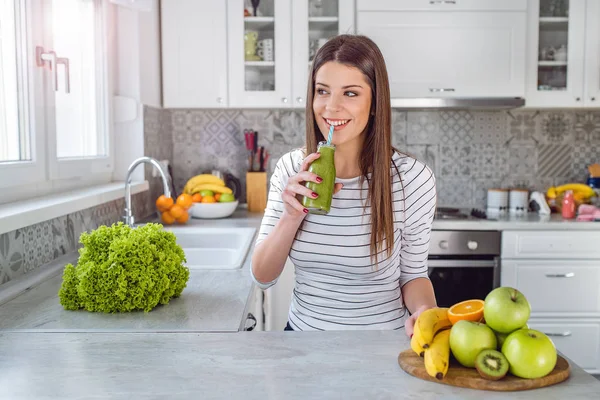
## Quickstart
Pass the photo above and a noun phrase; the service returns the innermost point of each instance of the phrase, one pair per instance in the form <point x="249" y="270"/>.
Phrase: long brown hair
<point x="362" y="53"/>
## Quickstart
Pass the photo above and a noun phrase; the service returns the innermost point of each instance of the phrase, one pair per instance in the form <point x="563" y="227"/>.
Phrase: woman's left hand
<point x="409" y="325"/>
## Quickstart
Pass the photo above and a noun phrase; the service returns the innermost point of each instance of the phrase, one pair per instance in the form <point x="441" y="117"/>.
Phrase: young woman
<point x="363" y="265"/>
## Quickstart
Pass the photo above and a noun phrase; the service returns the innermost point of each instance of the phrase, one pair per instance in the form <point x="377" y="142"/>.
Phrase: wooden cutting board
<point x="469" y="378"/>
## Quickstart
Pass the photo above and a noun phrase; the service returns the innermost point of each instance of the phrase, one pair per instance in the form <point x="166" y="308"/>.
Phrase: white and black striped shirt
<point x="337" y="286"/>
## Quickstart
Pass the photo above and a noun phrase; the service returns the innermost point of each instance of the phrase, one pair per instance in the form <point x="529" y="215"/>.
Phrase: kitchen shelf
<point x="323" y="23"/>
<point x="260" y="64"/>
<point x="260" y="22"/>
<point x="553" y="63"/>
<point x="554" y="20"/>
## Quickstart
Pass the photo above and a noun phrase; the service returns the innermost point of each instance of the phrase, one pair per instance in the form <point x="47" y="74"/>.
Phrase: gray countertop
<point x="529" y="221"/>
<point x="245" y="365"/>
<point x="213" y="301"/>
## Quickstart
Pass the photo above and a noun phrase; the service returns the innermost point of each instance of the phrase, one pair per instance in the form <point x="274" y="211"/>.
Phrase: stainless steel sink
<point x="214" y="248"/>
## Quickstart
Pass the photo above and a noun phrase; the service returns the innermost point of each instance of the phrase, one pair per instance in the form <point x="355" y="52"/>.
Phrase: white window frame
<point x="45" y="171"/>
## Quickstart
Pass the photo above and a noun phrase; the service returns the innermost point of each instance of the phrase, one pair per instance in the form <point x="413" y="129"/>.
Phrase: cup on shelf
<point x="265" y="49"/>
<point x="250" y="44"/>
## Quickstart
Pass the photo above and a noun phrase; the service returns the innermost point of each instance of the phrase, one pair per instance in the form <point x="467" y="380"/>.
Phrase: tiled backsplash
<point x="470" y="151"/>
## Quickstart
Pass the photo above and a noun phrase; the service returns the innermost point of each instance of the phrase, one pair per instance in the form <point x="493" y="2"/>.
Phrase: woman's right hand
<point x="295" y="188"/>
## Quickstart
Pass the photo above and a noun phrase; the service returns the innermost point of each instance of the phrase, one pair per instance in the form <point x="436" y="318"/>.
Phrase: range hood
<point x="481" y="103"/>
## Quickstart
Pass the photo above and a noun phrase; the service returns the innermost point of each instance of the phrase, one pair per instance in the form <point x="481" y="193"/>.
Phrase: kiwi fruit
<point x="491" y="364"/>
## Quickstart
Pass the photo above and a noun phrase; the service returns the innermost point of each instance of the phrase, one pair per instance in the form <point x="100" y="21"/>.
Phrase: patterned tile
<point x="399" y="129"/>
<point x="64" y="236"/>
<point x="454" y="193"/>
<point x="223" y="134"/>
<point x="587" y="127"/>
<point x="554" y="160"/>
<point x="490" y="160"/>
<point x="38" y="245"/>
<point x="490" y="127"/>
<point x="423" y="127"/>
<point x="12" y="256"/>
<point x="81" y="221"/>
<point x="108" y="213"/>
<point x="522" y="160"/>
<point x="522" y="126"/>
<point x="556" y="127"/>
<point x="584" y="155"/>
<point x="456" y="127"/>
<point x="456" y="161"/>
<point x="427" y="154"/>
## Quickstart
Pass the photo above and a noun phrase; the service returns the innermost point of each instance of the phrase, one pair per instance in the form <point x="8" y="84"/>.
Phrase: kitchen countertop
<point x="213" y="301"/>
<point x="529" y="221"/>
<point x="248" y="365"/>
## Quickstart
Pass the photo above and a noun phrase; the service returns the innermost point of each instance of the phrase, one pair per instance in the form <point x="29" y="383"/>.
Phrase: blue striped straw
<point x="330" y="134"/>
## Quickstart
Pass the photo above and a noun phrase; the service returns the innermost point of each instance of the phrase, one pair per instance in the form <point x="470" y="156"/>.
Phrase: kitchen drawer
<point x="441" y="5"/>
<point x="556" y="286"/>
<point x="551" y="245"/>
<point x="578" y="341"/>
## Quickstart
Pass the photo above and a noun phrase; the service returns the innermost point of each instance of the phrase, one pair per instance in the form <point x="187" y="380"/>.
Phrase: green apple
<point x="468" y="338"/>
<point x="530" y="353"/>
<point x="226" y="198"/>
<point x="502" y="336"/>
<point x="506" y="309"/>
<point x="206" y="192"/>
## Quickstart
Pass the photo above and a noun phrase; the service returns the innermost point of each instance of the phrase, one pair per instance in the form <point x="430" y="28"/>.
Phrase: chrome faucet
<point x="128" y="217"/>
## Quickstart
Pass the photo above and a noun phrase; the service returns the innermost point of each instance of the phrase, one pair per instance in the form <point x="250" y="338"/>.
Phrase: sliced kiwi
<point x="491" y="364"/>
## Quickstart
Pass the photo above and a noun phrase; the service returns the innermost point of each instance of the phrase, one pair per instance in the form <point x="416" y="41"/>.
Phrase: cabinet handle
<point x="567" y="275"/>
<point x="284" y="100"/>
<point x="442" y="2"/>
<point x="219" y="100"/>
<point x="253" y="319"/>
<point x="593" y="99"/>
<point x="577" y="98"/>
<point x="299" y="99"/>
<point x="436" y="90"/>
<point x="564" y="334"/>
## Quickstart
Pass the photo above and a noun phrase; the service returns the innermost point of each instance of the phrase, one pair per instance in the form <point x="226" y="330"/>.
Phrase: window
<point x="54" y="92"/>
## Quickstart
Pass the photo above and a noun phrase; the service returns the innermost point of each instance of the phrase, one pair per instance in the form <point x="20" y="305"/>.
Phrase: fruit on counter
<point x="579" y="189"/>
<point x="196" y="198"/>
<point x="414" y="344"/>
<point x="468" y="339"/>
<point x="225" y="198"/>
<point x="469" y="310"/>
<point x="171" y="212"/>
<point x="122" y="269"/>
<point x="530" y="353"/>
<point x="218" y="196"/>
<point x="491" y="364"/>
<point x="501" y="337"/>
<point x="206" y="192"/>
<point x="163" y="203"/>
<point x="429" y="323"/>
<point x="201" y="180"/>
<point x="184" y="200"/>
<point x="208" y="199"/>
<point x="209" y="187"/>
<point x="506" y="309"/>
<point x="437" y="356"/>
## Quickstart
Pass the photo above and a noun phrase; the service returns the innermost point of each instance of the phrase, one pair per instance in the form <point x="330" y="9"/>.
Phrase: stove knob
<point x="444" y="244"/>
<point x="472" y="245"/>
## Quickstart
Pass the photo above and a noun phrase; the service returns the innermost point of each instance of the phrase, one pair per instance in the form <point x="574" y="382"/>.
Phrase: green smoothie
<point x="324" y="167"/>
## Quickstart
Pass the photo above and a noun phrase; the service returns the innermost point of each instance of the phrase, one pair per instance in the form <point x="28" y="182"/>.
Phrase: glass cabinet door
<point x="259" y="38"/>
<point x="314" y="22"/>
<point x="557" y="68"/>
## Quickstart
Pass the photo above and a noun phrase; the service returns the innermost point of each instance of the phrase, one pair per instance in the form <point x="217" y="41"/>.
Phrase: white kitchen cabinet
<point x="437" y="5"/>
<point x="433" y="49"/>
<point x="277" y="299"/>
<point x="591" y="93"/>
<point x="311" y="28"/>
<point x="194" y="54"/>
<point x="255" y="317"/>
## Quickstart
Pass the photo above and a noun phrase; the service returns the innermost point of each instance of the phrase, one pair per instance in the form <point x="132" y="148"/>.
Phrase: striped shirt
<point x="337" y="286"/>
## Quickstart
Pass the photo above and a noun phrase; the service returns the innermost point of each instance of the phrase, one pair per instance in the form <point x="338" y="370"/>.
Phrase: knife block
<point x="256" y="191"/>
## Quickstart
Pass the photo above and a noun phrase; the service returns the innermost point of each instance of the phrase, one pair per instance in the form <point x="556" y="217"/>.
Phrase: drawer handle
<point x="567" y="275"/>
<point x="437" y="90"/>
<point x="442" y="2"/>
<point x="564" y="334"/>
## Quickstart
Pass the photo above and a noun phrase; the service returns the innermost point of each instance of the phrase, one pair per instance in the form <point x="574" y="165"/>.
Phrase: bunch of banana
<point x="581" y="191"/>
<point x="429" y="323"/>
<point x="437" y="356"/>
<point x="205" y="182"/>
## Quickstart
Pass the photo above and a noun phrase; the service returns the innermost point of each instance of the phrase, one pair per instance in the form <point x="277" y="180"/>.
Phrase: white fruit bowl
<point x="212" y="210"/>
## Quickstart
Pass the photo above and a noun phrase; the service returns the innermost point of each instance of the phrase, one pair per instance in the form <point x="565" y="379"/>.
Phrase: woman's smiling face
<point x="342" y="97"/>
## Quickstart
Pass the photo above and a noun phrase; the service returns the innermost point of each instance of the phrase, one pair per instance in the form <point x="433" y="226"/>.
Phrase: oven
<point x="463" y="265"/>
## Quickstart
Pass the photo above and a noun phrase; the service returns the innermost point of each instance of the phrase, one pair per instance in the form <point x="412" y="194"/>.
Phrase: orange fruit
<point x="183" y="218"/>
<point x="177" y="211"/>
<point x="184" y="200"/>
<point x="167" y="218"/>
<point x="217" y="196"/>
<point x="470" y="310"/>
<point x="163" y="203"/>
<point x="196" y="198"/>
<point x="209" y="199"/>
